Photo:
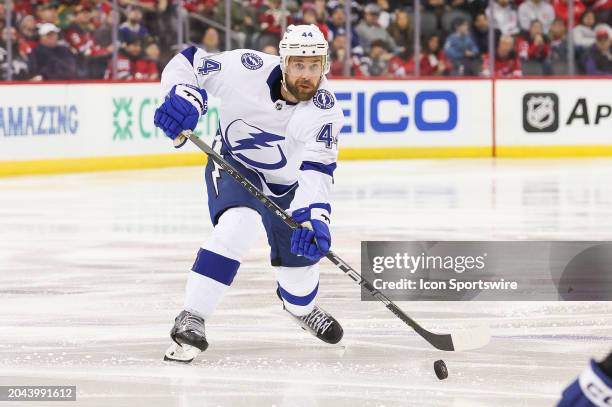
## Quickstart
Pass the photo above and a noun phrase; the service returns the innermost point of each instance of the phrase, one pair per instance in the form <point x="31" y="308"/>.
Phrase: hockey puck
<point x="440" y="369"/>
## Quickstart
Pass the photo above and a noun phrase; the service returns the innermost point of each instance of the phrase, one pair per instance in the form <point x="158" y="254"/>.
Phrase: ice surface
<point x="93" y="266"/>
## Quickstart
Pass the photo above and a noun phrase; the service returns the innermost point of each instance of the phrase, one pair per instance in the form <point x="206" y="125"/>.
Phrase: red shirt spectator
<point x="528" y="49"/>
<point x="507" y="62"/>
<point x="309" y="16"/>
<point x="24" y="8"/>
<point x="433" y="61"/>
<point x="199" y="6"/>
<point x="79" y="36"/>
<point x="26" y="37"/>
<point x="510" y="67"/>
<point x="560" y="7"/>
<point x="400" y="66"/>
<point x="271" y="19"/>
<point x="434" y="64"/>
<point x="600" y="5"/>
<point x="534" y="46"/>
<point x="131" y="65"/>
<point x="337" y="53"/>
<point x="148" y="5"/>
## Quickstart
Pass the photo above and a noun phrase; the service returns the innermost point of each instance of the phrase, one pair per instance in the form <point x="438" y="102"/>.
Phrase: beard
<point x="303" y="91"/>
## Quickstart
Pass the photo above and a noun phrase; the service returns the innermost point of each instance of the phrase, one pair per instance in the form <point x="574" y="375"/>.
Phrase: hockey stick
<point x="470" y="339"/>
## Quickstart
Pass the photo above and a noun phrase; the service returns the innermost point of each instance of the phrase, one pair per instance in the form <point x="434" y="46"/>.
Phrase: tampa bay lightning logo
<point x="323" y="99"/>
<point x="251" y="61"/>
<point x="252" y="145"/>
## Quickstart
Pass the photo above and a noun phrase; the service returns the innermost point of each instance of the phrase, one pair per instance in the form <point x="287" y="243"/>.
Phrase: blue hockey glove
<point x="313" y="240"/>
<point x="592" y="388"/>
<point x="180" y="111"/>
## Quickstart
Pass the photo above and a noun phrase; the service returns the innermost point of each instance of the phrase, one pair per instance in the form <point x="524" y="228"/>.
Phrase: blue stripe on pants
<point x="298" y="300"/>
<point x="213" y="265"/>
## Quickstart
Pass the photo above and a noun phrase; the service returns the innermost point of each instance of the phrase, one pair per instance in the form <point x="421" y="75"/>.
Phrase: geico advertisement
<point x="551" y="112"/>
<point x="415" y="113"/>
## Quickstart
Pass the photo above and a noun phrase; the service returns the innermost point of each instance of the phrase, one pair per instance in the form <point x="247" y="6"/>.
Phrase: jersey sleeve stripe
<point x="189" y="53"/>
<point x="314" y="166"/>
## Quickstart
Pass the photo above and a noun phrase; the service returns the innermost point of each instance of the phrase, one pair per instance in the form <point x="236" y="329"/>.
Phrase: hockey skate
<point x="319" y="323"/>
<point x="188" y="336"/>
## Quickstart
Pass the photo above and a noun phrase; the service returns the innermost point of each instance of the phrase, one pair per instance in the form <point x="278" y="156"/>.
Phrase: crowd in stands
<point x="73" y="39"/>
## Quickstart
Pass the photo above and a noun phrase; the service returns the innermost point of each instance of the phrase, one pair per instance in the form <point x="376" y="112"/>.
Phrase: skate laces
<point x="318" y="320"/>
<point x="192" y="322"/>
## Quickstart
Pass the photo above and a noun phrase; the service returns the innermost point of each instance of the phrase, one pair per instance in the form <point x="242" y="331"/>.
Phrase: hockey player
<point x="278" y="126"/>
<point x="593" y="388"/>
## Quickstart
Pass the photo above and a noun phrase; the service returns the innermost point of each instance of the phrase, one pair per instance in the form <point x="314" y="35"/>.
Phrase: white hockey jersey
<point x="283" y="142"/>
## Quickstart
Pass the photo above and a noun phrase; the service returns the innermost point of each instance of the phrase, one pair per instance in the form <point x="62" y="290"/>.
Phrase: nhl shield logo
<point x="540" y="112"/>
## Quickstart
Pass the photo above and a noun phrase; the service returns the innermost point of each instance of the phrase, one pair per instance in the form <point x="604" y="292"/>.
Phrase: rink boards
<point x="92" y="126"/>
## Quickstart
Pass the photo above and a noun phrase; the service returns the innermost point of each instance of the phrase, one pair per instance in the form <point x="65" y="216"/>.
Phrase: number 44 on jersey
<point x="327" y="136"/>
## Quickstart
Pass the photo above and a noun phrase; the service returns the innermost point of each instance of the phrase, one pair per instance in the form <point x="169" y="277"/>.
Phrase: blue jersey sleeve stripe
<point x="314" y="166"/>
<point x="296" y="299"/>
<point x="189" y="53"/>
<point x="321" y="205"/>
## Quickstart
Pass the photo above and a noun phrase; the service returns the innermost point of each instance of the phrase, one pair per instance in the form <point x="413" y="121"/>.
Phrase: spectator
<point x="321" y="9"/>
<point x="131" y="64"/>
<point x="558" y="41"/>
<point x="401" y="65"/>
<point x="49" y="60"/>
<point x="156" y="16"/>
<point x="270" y="49"/>
<point x="337" y="27"/>
<point x="603" y="10"/>
<point x="27" y="35"/>
<point x="100" y="10"/>
<point x="47" y="13"/>
<point x="507" y="62"/>
<point x="402" y="32"/>
<point x="271" y="19"/>
<point x="531" y="10"/>
<point x="202" y="8"/>
<point x="377" y="61"/>
<point x="460" y="5"/>
<point x="337" y="57"/>
<point x="337" y="54"/>
<point x="534" y="46"/>
<point x="384" y="18"/>
<point x="433" y="61"/>
<point x="584" y="33"/>
<point x="309" y="16"/>
<point x="560" y="7"/>
<point x="599" y="58"/>
<point x="133" y="25"/>
<point x="460" y="49"/>
<point x="505" y="17"/>
<point x="153" y="54"/>
<point x="18" y="67"/>
<point x="92" y="58"/>
<point x="436" y="7"/>
<point x="481" y="32"/>
<point x="103" y="34"/>
<point x="356" y="9"/>
<point x="210" y="40"/>
<point x="369" y="30"/>
<point x="243" y="22"/>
